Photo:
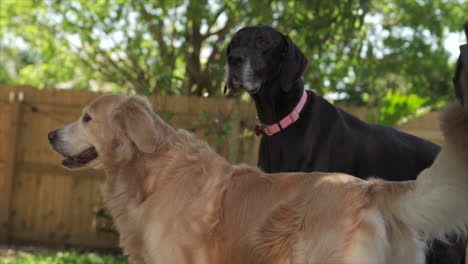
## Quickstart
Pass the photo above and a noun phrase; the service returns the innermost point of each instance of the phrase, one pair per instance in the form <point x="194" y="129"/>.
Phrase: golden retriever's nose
<point x="52" y="136"/>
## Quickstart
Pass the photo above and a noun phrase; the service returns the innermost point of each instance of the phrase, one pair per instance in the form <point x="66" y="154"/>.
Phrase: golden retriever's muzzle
<point x="70" y="160"/>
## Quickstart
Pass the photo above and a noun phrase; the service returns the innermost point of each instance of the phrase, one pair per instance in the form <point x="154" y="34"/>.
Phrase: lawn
<point x="59" y="257"/>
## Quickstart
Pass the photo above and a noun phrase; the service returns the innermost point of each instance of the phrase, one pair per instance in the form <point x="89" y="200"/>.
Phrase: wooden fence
<point x="42" y="203"/>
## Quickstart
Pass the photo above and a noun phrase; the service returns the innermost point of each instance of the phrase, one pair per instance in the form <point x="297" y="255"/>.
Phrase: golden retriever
<point x="175" y="200"/>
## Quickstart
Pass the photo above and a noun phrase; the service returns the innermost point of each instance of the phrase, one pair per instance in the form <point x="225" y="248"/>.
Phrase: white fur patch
<point x="248" y="79"/>
<point x="370" y="247"/>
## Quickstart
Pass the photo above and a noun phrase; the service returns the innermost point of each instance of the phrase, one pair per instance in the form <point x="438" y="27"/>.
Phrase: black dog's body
<point x="343" y="143"/>
<point x="324" y="138"/>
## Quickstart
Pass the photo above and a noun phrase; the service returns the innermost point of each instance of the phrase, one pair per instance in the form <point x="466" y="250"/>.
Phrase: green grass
<point x="64" y="258"/>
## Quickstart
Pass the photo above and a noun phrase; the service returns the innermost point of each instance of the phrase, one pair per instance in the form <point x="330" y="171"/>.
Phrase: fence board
<point x="62" y="211"/>
<point x="5" y="181"/>
<point x="33" y="95"/>
<point x="9" y="134"/>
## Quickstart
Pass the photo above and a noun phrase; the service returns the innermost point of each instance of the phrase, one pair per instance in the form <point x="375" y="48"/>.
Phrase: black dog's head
<point x="260" y="54"/>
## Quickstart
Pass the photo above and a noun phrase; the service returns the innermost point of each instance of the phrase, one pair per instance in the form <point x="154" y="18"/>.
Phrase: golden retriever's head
<point x="112" y="129"/>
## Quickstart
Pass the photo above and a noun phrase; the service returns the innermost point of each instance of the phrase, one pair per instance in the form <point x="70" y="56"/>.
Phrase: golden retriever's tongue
<point x="86" y="153"/>
<point x="82" y="158"/>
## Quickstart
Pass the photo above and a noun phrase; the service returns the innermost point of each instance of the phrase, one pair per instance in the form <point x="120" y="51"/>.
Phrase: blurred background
<point x="389" y="62"/>
<point x="397" y="55"/>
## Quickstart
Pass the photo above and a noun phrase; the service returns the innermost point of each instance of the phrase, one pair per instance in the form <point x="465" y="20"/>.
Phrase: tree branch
<point x="221" y="34"/>
<point x="213" y="22"/>
<point x="154" y="30"/>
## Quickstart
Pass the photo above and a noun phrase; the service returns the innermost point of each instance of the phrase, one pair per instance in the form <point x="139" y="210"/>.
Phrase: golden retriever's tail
<point x="436" y="204"/>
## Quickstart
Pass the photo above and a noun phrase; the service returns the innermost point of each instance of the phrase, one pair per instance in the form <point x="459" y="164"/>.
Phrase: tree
<point x="164" y="46"/>
<point x="366" y="52"/>
<point x="406" y="66"/>
<point x="142" y="46"/>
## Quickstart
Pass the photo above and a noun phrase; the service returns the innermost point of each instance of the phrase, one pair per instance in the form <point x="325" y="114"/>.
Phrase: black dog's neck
<point x="273" y="104"/>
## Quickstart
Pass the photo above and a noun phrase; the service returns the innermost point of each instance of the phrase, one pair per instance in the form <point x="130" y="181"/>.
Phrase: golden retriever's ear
<point x="134" y="117"/>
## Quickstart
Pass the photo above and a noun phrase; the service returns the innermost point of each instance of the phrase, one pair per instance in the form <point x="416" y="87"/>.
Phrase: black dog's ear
<point x="293" y="66"/>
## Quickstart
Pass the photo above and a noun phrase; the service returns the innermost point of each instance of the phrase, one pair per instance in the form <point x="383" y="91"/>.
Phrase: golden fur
<point x="175" y="200"/>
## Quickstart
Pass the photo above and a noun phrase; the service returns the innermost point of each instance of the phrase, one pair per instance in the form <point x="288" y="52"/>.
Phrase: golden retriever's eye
<point x="86" y="118"/>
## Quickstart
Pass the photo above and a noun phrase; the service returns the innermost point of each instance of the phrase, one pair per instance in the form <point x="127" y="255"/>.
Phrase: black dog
<point x="269" y="66"/>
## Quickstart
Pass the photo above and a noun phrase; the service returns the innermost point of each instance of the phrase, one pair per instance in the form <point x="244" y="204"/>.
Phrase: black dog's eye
<point x="235" y="41"/>
<point x="86" y="118"/>
<point x="261" y="42"/>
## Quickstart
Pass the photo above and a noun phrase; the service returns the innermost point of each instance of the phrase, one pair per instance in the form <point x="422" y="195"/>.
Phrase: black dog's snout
<point x="52" y="136"/>
<point x="235" y="60"/>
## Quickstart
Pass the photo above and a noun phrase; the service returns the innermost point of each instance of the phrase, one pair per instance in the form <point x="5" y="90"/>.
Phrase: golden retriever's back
<point x="280" y="216"/>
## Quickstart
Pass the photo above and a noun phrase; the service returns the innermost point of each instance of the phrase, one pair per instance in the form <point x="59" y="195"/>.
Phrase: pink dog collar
<point x="285" y="122"/>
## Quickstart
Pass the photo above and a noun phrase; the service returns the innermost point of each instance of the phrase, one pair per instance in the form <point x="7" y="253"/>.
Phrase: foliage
<point x="68" y="257"/>
<point x="406" y="66"/>
<point x="395" y="105"/>
<point x="142" y="46"/>
<point x="217" y="127"/>
<point x="363" y="51"/>
<point x="103" y="222"/>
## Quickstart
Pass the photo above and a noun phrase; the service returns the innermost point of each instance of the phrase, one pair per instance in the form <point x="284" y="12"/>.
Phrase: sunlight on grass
<point x="64" y="258"/>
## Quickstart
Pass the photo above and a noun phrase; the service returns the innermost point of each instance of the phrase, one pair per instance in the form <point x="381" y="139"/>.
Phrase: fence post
<point x="235" y="134"/>
<point x="9" y="168"/>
